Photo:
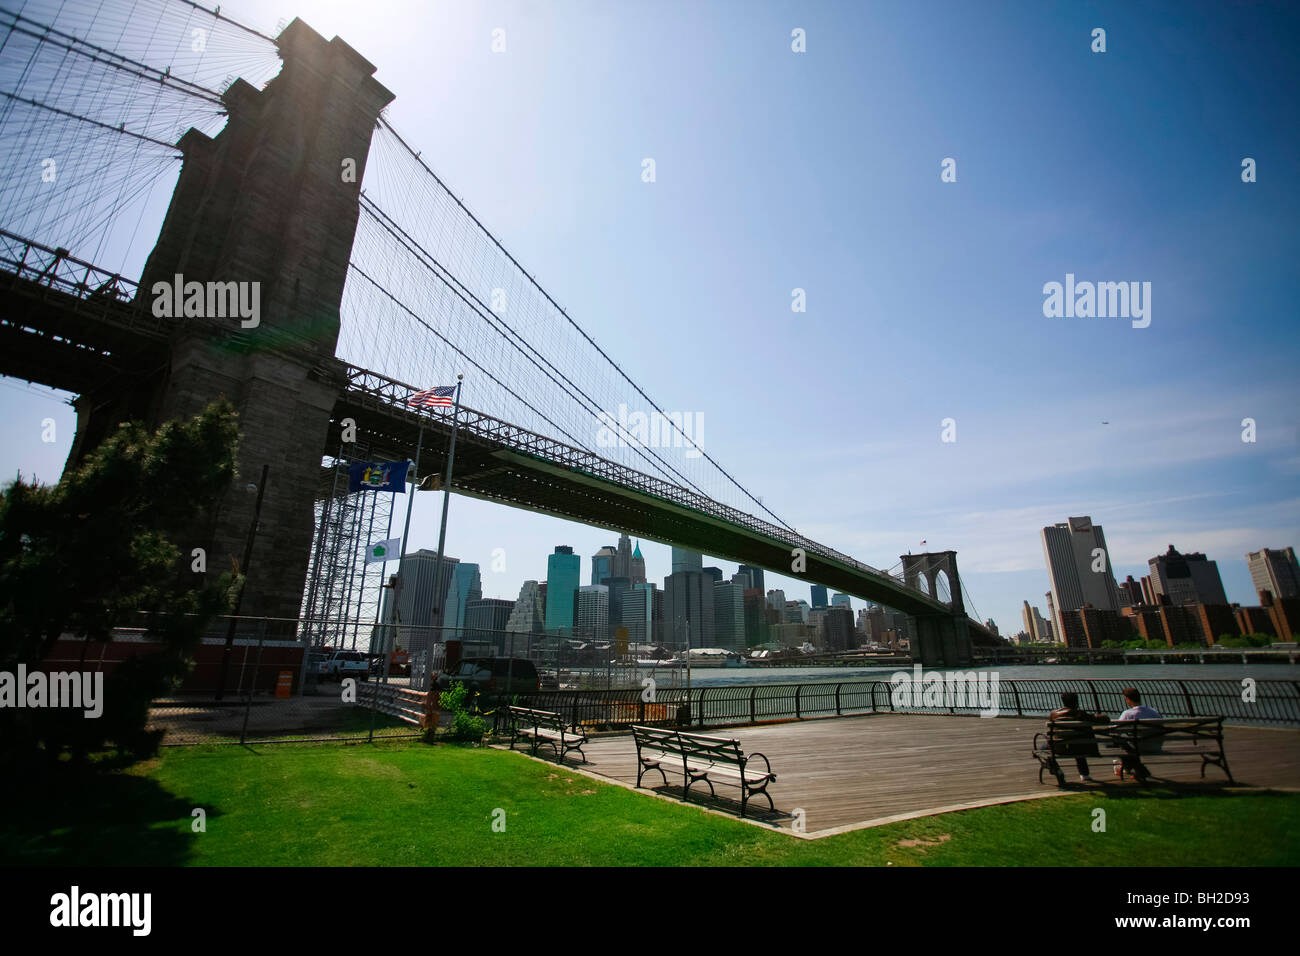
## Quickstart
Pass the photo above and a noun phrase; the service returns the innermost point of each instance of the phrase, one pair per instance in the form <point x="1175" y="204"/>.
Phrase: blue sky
<point x="821" y="171"/>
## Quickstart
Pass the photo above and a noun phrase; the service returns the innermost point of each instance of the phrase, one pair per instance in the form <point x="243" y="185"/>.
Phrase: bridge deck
<point x="855" y="771"/>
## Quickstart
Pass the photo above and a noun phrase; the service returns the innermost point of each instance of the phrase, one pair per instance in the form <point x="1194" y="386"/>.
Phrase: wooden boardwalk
<point x="851" y="772"/>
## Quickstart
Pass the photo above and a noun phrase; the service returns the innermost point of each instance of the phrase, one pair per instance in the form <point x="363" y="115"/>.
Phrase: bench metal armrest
<point x="766" y="763"/>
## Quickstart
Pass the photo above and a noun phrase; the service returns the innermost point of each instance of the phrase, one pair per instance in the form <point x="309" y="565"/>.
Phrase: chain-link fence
<point x="274" y="678"/>
<point x="252" y="681"/>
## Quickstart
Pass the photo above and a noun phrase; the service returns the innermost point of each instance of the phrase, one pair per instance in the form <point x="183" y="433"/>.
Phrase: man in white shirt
<point x="1138" y="711"/>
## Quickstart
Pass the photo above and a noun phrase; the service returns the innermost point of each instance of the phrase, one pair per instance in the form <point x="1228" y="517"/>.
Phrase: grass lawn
<point x="403" y="803"/>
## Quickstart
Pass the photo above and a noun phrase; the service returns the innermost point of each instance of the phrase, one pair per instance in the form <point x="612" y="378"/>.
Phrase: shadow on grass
<point x="1177" y="790"/>
<point x="75" y="816"/>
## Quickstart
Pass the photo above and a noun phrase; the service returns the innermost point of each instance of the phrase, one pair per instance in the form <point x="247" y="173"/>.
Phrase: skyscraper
<point x="529" y="614"/>
<point x="485" y="620"/>
<point x="1275" y="571"/>
<point x="592" y="613"/>
<point x="688" y="609"/>
<point x="837" y="628"/>
<point x="1037" y="628"/>
<point x="622" y="564"/>
<point x="755" y="576"/>
<point x="421" y="607"/>
<point x="618" y="589"/>
<point x="1079" y="567"/>
<point x="755" y="620"/>
<point x="1186" y="578"/>
<point x="602" y="564"/>
<point x="729" y="615"/>
<point x="818" y="595"/>
<point x="842" y="600"/>
<point x="638" y="566"/>
<point x="563" y="574"/>
<point x="684" y="560"/>
<point x="638" y="611"/>
<point x="466" y="586"/>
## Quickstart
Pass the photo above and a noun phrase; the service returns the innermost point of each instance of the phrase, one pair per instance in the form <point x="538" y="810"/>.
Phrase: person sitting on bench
<point x="1082" y="748"/>
<point x="1132" y="763"/>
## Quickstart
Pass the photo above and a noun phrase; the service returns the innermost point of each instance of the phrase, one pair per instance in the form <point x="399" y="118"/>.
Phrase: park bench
<point x="1174" y="737"/>
<point x="701" y="758"/>
<point x="545" y="727"/>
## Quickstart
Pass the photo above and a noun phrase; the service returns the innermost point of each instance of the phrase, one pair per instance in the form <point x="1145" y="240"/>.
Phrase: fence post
<point x="1096" y="701"/>
<point x="837" y="700"/>
<point x="248" y="704"/>
<point x="702" y="690"/>
<point x="797" y="691"/>
<point x="243" y="669"/>
<point x="1015" y="691"/>
<point x="753" y="719"/>
<point x="1187" y="698"/>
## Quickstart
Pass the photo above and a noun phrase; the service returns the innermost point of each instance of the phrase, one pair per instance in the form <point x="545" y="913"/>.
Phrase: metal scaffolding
<point x="342" y="599"/>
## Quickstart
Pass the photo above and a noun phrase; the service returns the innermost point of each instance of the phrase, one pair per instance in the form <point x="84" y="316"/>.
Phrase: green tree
<point x="110" y="546"/>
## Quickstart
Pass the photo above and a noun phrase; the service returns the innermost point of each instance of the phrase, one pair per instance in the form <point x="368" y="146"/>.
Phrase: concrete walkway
<point x="852" y="772"/>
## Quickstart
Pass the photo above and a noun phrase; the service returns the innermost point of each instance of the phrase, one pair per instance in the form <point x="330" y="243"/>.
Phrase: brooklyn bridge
<point x="373" y="280"/>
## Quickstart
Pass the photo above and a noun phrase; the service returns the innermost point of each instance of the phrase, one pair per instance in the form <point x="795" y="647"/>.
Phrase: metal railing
<point x="401" y="702"/>
<point x="1275" y="701"/>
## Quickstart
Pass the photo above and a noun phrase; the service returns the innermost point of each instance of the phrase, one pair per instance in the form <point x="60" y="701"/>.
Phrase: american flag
<point x="439" y="397"/>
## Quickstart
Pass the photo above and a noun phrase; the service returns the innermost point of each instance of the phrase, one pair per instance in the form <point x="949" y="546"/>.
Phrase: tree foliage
<point x="110" y="546"/>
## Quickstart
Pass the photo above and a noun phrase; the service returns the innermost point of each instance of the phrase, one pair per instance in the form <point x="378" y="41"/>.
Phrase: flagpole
<point x="441" y="598"/>
<point x="375" y="631"/>
<point x="401" y="560"/>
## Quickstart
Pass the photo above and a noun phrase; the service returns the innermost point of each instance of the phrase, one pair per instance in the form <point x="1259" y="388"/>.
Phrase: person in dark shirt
<point x="1081" y="747"/>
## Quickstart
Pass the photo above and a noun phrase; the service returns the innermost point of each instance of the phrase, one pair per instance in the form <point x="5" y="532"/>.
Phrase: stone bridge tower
<point x="264" y="202"/>
<point x="942" y="640"/>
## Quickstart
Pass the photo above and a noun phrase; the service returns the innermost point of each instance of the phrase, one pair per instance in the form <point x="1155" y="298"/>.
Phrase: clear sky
<point x="820" y="170"/>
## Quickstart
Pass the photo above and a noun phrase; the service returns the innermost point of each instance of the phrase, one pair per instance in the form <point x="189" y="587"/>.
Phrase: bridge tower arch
<point x="941" y="640"/>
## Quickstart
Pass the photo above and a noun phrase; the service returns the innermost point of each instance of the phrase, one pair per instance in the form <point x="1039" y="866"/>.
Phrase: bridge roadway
<point x="70" y="325"/>
<point x="500" y="462"/>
